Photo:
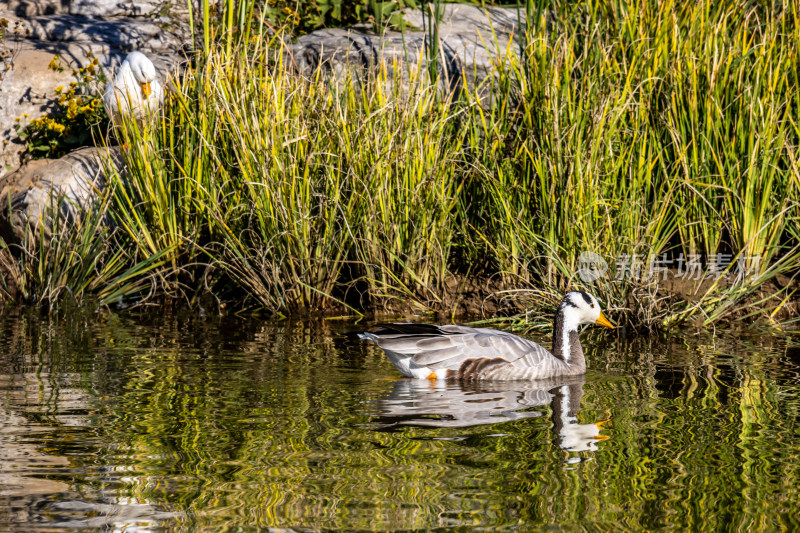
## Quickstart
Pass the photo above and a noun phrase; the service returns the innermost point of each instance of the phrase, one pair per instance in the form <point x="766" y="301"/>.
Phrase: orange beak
<point x="600" y="424"/>
<point x="603" y="321"/>
<point x="146" y="90"/>
<point x="599" y="428"/>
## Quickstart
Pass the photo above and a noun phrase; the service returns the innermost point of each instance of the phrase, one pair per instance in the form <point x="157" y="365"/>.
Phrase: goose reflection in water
<point x="451" y="404"/>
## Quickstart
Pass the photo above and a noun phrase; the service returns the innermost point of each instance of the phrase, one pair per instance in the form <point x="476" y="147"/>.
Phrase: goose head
<point x="577" y="308"/>
<point x="144" y="72"/>
<point x="580" y="307"/>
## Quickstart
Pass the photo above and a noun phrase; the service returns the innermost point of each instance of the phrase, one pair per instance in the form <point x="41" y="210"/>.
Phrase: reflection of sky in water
<point x="38" y="410"/>
<point x="121" y="423"/>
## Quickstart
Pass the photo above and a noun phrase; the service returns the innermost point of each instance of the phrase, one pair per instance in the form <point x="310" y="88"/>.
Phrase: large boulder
<point x="472" y="39"/>
<point x="70" y="185"/>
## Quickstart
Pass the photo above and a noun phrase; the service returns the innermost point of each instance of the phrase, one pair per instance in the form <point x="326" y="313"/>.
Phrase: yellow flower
<point x="53" y="65"/>
<point x="59" y="89"/>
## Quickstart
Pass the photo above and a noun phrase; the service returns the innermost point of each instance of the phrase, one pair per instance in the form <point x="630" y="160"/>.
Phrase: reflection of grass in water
<point x="270" y="425"/>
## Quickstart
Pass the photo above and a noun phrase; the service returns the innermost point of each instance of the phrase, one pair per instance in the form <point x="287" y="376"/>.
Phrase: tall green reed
<point x="403" y="162"/>
<point x="630" y="129"/>
<point x="432" y="12"/>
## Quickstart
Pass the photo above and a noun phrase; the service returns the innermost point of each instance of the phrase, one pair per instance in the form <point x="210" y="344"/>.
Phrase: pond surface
<point x="149" y="422"/>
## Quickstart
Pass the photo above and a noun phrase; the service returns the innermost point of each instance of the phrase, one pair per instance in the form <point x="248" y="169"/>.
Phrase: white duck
<point x="442" y="352"/>
<point x="135" y="90"/>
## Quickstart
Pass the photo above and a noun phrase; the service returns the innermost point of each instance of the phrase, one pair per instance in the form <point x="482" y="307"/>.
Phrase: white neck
<point x="566" y="345"/>
<point x="571" y="323"/>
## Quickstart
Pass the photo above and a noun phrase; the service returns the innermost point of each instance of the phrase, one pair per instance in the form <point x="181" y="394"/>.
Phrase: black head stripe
<point x="567" y="303"/>
<point x="587" y="298"/>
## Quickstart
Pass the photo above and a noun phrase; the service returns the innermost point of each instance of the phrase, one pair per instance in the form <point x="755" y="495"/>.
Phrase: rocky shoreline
<point x="76" y="30"/>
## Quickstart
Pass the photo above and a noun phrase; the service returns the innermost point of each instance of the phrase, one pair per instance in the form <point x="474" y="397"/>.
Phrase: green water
<point x="155" y="423"/>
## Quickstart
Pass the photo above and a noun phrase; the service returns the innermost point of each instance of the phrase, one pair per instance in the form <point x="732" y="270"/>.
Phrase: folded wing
<point x="466" y="353"/>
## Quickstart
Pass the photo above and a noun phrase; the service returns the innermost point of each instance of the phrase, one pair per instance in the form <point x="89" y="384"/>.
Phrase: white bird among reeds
<point x="135" y="91"/>
<point x="445" y="352"/>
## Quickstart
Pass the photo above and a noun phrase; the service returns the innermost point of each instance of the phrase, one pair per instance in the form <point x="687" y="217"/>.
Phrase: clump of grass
<point x="279" y="211"/>
<point x="280" y="181"/>
<point x="403" y="163"/>
<point x="80" y="257"/>
<point x="663" y="128"/>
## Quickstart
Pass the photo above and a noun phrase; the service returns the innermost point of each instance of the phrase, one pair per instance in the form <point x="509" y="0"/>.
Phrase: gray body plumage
<point x="460" y="352"/>
<point x="470" y="353"/>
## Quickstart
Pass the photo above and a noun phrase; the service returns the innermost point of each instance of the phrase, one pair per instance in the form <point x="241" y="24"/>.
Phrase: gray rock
<point x="114" y="8"/>
<point x="90" y="8"/>
<point x="123" y="34"/>
<point x="69" y="185"/>
<point x="34" y="8"/>
<point x="471" y="40"/>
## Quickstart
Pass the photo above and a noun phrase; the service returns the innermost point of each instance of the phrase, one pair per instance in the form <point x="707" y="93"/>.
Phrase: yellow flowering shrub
<point x="75" y="116"/>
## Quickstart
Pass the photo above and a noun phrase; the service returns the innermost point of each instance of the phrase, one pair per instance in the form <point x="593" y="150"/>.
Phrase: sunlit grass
<point x="644" y="130"/>
<point x="660" y="130"/>
<point x="281" y="182"/>
<point x="75" y="259"/>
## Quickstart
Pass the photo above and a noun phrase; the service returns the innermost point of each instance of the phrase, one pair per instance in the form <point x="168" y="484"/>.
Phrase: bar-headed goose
<point x="443" y="352"/>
